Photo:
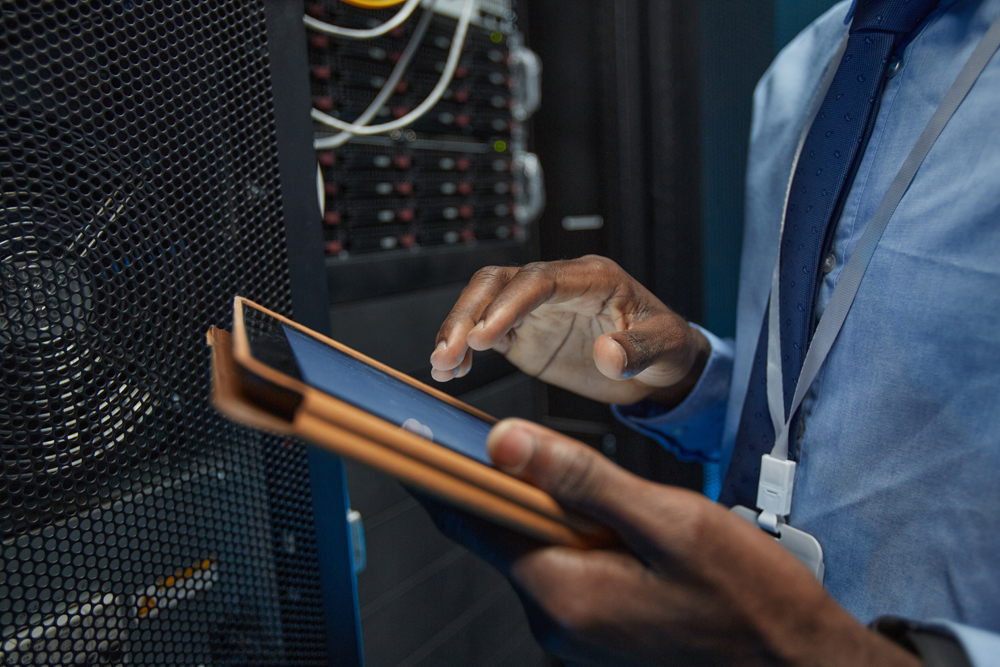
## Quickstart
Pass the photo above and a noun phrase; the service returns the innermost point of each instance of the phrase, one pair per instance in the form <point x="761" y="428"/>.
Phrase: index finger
<point x="452" y="339"/>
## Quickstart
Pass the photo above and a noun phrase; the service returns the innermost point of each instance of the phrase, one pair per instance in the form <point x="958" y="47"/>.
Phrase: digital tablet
<point x="279" y="376"/>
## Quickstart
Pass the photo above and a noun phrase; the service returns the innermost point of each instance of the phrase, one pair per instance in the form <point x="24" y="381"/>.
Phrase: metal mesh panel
<point x="139" y="193"/>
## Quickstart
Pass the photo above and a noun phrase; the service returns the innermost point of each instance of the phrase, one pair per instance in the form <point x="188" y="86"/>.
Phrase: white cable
<point x="390" y="85"/>
<point x="449" y="71"/>
<point x="394" y="22"/>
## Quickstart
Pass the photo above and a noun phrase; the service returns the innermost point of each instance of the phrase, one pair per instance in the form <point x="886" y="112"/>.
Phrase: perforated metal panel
<point x="139" y="193"/>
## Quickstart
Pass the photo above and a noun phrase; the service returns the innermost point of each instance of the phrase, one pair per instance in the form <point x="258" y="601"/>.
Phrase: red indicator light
<point x="468" y="235"/>
<point x="334" y="247"/>
<point x="404" y="188"/>
<point x="323" y="103"/>
<point x="462" y="120"/>
<point x="463" y="164"/>
<point x="465" y="188"/>
<point x="406" y="215"/>
<point x="461" y="96"/>
<point x="327" y="158"/>
<point x="320" y="42"/>
<point x="321" y="72"/>
<point x="332" y="218"/>
<point x="403" y="161"/>
<point x="408" y="240"/>
<point x="466" y="212"/>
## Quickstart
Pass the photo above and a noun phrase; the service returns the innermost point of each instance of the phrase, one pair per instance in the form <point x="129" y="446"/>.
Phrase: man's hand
<point x="698" y="586"/>
<point x="584" y="325"/>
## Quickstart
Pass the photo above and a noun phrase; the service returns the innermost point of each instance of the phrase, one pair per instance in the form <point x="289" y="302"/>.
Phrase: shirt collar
<point x="850" y="12"/>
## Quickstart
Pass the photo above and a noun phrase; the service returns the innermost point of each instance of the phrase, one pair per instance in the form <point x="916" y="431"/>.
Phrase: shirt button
<point x="895" y="64"/>
<point x="829" y="263"/>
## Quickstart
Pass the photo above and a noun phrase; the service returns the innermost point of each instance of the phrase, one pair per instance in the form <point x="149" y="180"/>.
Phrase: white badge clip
<point x="802" y="545"/>
<point x="774" y="494"/>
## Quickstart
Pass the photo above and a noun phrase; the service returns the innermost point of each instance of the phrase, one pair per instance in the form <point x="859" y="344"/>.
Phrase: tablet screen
<point x="342" y="376"/>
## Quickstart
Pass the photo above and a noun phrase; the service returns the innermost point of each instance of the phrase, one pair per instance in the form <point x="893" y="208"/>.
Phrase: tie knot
<point x="896" y="16"/>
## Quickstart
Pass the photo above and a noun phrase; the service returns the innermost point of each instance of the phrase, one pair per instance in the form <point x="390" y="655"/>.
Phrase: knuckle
<point x="535" y="268"/>
<point x="605" y="270"/>
<point x="490" y="274"/>
<point x="642" y="350"/>
<point x="454" y="319"/>
<point x="601" y="263"/>
<point x="673" y="334"/>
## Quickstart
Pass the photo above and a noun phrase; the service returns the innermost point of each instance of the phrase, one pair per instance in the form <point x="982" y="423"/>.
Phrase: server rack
<point x="408" y="217"/>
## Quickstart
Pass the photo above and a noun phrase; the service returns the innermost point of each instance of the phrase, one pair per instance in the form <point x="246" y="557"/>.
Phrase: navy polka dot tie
<point x="826" y="168"/>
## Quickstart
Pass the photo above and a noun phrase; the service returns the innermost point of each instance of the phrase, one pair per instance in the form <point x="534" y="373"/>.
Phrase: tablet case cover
<point x="322" y="420"/>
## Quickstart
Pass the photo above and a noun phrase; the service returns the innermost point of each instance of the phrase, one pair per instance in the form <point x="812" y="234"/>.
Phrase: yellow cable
<point x="374" y="4"/>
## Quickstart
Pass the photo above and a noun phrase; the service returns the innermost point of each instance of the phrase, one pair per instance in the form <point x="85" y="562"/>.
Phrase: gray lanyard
<point x="777" y="474"/>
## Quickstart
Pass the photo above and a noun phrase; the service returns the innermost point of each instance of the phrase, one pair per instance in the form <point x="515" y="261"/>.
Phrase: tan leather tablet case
<point x="283" y="405"/>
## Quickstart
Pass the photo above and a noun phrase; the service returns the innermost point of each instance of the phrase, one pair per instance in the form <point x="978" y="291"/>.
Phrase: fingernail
<point x="510" y="447"/>
<point x="480" y="326"/>
<point x="441" y="347"/>
<point x="626" y="372"/>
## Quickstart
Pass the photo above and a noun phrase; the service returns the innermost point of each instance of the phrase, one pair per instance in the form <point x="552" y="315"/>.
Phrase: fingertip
<point x="448" y="356"/>
<point x="497" y="432"/>
<point x="510" y="446"/>
<point x="442" y="375"/>
<point x="436" y="355"/>
<point x="477" y="338"/>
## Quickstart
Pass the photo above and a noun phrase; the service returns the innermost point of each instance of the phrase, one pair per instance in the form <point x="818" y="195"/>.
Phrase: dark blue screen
<point x="342" y="376"/>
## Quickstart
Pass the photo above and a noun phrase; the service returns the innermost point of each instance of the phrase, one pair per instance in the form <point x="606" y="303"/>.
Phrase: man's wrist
<point x="843" y="642"/>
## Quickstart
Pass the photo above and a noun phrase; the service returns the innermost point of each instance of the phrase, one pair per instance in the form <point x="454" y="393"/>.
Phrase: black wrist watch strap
<point x="934" y="647"/>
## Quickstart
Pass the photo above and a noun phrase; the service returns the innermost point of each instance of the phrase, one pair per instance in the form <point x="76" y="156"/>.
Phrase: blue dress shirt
<point x="899" y="449"/>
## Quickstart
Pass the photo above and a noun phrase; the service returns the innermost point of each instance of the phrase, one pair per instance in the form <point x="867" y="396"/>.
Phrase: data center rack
<point x="457" y="181"/>
<point x="408" y="217"/>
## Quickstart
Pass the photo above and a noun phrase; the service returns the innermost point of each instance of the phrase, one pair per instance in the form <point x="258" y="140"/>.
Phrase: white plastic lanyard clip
<point x="774" y="493"/>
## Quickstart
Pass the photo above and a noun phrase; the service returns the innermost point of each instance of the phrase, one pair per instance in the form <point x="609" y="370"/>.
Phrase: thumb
<point x="572" y="473"/>
<point x="658" y="351"/>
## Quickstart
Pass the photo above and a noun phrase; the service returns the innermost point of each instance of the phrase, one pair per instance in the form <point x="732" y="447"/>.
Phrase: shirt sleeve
<point x="692" y="431"/>
<point x="982" y="648"/>
<point x="942" y="643"/>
